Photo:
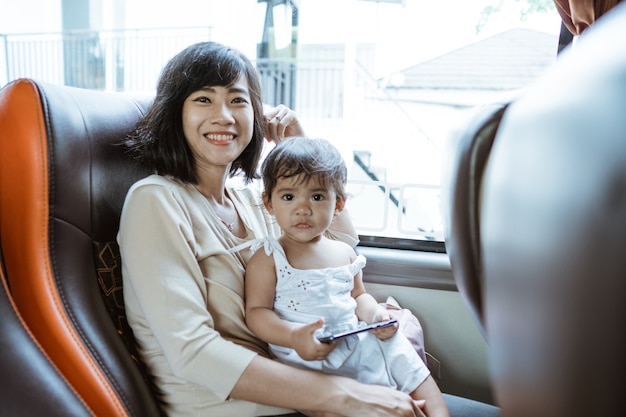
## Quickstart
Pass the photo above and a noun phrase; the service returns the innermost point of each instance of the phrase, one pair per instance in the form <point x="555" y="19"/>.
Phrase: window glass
<point x="398" y="75"/>
<point x="384" y="80"/>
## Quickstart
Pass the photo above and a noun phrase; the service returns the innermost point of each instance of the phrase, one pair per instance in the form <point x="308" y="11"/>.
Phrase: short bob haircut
<point x="309" y="159"/>
<point x="159" y="141"/>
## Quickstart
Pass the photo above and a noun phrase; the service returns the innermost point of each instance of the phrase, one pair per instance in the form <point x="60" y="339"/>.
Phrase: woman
<point x="183" y="291"/>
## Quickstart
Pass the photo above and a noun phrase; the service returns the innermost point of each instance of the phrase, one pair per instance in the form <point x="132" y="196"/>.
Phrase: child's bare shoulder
<point x="260" y="259"/>
<point x="338" y="245"/>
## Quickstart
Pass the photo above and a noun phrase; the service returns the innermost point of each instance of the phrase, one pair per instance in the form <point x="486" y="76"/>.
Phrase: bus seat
<point x="63" y="180"/>
<point x="553" y="235"/>
<point x="467" y="152"/>
<point x="30" y="384"/>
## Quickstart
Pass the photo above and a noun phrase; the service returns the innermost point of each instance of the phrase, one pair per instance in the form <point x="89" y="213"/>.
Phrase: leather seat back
<point x="553" y="233"/>
<point x="467" y="153"/>
<point x="63" y="180"/>
<point x="30" y="385"/>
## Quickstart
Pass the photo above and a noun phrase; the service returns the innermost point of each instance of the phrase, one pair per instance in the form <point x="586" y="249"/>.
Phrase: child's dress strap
<point x="357" y="264"/>
<point x="268" y="244"/>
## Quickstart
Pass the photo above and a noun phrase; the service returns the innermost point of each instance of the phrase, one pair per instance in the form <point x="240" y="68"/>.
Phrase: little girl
<point x="307" y="284"/>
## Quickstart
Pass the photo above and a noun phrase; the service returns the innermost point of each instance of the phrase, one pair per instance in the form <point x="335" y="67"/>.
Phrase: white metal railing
<point x="115" y="60"/>
<point x="339" y="100"/>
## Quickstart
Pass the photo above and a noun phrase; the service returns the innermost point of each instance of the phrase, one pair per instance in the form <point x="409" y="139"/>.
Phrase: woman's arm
<point x="269" y="382"/>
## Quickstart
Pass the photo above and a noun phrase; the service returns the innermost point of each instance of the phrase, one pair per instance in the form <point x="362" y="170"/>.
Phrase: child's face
<point x="303" y="209"/>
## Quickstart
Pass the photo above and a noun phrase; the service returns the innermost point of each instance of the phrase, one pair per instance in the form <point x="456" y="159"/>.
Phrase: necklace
<point x="230" y="226"/>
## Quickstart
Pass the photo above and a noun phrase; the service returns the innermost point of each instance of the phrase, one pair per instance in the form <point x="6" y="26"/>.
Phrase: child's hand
<point x="306" y="344"/>
<point x="387" y="332"/>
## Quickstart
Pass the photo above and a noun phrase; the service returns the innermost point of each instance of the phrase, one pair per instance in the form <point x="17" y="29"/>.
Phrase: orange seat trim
<point x="24" y="230"/>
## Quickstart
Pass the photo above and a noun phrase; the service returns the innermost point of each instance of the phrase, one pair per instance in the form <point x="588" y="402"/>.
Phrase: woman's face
<point x="218" y="123"/>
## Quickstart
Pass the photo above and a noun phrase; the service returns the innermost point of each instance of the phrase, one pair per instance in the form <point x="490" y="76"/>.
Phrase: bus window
<point x="399" y="76"/>
<point x="382" y="79"/>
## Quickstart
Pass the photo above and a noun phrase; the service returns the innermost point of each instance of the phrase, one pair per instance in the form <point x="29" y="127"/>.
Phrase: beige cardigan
<point x="183" y="293"/>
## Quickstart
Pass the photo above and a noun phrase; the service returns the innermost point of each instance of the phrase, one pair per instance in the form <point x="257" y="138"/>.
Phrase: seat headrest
<point x="467" y="151"/>
<point x="553" y="230"/>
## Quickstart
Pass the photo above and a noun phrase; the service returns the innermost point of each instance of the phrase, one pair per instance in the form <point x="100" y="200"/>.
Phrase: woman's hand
<point x="282" y="122"/>
<point x="418" y="407"/>
<point x="377" y="401"/>
<point x="270" y="382"/>
<point x="395" y="403"/>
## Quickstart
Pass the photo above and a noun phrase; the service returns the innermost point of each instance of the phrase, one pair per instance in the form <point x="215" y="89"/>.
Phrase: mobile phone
<point x="328" y="339"/>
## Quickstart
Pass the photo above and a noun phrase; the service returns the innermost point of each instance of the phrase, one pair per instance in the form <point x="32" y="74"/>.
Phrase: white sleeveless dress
<point x="303" y="296"/>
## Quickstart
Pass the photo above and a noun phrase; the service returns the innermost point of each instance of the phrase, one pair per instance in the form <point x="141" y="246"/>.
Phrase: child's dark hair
<point x="313" y="158"/>
<point x="159" y="140"/>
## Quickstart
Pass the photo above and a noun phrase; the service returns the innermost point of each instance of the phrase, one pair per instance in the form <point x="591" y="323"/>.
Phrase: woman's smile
<point x="220" y="137"/>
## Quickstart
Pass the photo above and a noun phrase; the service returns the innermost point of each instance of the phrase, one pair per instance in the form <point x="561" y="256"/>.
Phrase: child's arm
<point x="260" y="289"/>
<point x="369" y="311"/>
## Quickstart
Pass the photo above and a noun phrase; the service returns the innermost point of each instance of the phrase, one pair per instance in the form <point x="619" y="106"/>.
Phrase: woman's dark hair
<point x="159" y="140"/>
<point x="314" y="158"/>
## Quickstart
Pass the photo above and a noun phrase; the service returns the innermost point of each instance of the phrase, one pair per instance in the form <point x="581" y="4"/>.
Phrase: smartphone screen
<point x="328" y="339"/>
